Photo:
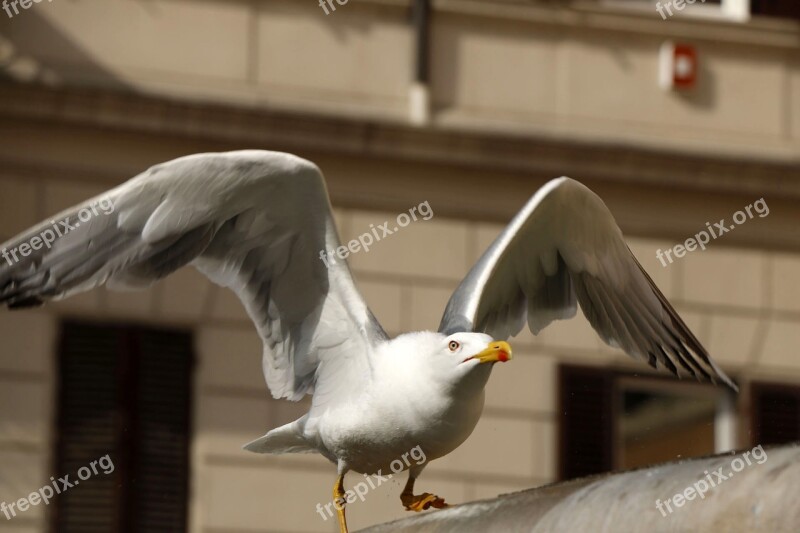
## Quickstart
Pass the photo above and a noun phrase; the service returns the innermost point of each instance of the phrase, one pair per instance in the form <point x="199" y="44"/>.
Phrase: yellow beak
<point x="496" y="351"/>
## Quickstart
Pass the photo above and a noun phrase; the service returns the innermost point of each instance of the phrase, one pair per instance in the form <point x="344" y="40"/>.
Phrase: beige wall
<point x="589" y="72"/>
<point x="26" y="411"/>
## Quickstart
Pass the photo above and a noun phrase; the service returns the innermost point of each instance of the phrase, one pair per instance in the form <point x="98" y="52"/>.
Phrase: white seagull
<point x="256" y="221"/>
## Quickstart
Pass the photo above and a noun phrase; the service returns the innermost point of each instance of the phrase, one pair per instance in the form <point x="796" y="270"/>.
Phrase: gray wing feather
<point x="253" y="221"/>
<point x="564" y="248"/>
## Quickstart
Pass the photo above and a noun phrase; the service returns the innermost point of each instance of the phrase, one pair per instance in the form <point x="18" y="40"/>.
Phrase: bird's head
<point x="474" y="349"/>
<point x="459" y="359"/>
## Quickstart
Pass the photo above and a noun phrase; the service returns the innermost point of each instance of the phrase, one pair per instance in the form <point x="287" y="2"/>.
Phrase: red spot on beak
<point x="502" y="357"/>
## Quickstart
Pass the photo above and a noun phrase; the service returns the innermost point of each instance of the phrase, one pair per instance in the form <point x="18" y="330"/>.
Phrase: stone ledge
<point x="760" y="498"/>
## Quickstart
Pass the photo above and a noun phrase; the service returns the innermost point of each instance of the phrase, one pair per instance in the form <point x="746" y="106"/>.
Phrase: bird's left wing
<point x="253" y="221"/>
<point x="562" y="245"/>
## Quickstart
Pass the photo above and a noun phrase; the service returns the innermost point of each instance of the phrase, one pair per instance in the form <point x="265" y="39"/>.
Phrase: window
<point x="123" y="392"/>
<point x="586" y="427"/>
<point x="775" y="413"/>
<point x="777" y="8"/>
<point x="660" y="421"/>
<point x="619" y="420"/>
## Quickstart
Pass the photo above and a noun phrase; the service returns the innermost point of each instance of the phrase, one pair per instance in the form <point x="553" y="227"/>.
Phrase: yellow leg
<point x="419" y="502"/>
<point x="338" y="498"/>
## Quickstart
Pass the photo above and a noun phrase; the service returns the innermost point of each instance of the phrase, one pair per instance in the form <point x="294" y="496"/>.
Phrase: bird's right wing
<point x="253" y="221"/>
<point x="563" y="246"/>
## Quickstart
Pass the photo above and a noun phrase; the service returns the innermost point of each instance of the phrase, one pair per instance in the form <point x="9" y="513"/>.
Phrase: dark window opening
<point x="586" y="427"/>
<point x="776" y="8"/>
<point x="125" y="393"/>
<point x="775" y="413"/>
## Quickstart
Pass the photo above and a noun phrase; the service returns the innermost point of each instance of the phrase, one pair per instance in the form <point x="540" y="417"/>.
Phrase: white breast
<point x="403" y="407"/>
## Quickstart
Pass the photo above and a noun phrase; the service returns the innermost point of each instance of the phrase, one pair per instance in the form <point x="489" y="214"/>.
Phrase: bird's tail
<point x="285" y="439"/>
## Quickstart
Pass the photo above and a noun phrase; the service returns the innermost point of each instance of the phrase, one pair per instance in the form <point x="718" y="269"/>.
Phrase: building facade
<point x="469" y="107"/>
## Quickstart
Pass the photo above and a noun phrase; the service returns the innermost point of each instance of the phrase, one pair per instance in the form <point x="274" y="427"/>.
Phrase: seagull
<point x="255" y="221"/>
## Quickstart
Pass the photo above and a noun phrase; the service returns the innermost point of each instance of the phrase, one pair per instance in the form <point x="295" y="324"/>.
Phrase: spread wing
<point x="252" y="221"/>
<point x="564" y="246"/>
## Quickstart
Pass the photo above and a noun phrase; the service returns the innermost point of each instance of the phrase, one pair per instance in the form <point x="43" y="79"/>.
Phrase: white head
<point x="460" y="360"/>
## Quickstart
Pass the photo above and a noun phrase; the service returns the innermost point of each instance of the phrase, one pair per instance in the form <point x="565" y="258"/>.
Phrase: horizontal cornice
<point x="293" y="131"/>
<point x="469" y="175"/>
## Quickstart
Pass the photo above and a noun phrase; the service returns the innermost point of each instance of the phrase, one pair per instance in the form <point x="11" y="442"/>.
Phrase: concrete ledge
<point x="760" y="497"/>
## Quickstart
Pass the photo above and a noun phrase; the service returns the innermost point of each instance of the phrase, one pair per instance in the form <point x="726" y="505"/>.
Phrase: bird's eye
<point x="454" y="345"/>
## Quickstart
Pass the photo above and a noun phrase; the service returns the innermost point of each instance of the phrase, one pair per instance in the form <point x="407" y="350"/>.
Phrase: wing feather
<point x="565" y="247"/>
<point x="253" y="221"/>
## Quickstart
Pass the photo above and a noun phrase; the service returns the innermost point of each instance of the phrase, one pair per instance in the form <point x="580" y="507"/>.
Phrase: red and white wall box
<point x="678" y="66"/>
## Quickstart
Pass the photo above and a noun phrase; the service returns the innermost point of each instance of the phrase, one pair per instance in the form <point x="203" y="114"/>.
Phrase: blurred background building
<point x="471" y="105"/>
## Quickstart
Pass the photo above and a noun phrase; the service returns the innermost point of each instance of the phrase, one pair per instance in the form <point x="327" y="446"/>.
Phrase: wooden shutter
<point x="162" y="462"/>
<point x="775" y="413"/>
<point x="124" y="392"/>
<point x="87" y="428"/>
<point x="586" y="414"/>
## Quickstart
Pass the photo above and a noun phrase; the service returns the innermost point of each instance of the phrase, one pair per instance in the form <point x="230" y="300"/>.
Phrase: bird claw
<point x="422" y="502"/>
